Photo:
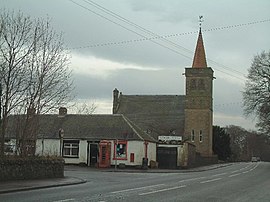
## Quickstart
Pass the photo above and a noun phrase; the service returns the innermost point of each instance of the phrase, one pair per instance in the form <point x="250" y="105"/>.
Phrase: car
<point x="254" y="159"/>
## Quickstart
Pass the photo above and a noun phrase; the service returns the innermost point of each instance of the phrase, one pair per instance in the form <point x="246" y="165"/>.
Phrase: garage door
<point x="167" y="157"/>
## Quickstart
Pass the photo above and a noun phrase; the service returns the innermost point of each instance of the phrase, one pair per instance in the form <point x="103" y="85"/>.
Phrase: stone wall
<point x="31" y="168"/>
<point x="188" y="155"/>
<point x="204" y="161"/>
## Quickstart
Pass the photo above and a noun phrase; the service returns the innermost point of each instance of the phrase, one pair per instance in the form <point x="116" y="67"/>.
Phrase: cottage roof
<point x="155" y="114"/>
<point x="89" y="127"/>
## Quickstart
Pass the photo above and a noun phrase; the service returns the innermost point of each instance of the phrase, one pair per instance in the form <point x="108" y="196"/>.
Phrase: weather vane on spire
<point x="200" y="21"/>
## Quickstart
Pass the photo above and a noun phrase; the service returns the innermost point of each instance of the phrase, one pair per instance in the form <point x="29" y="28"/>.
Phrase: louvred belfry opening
<point x="199" y="60"/>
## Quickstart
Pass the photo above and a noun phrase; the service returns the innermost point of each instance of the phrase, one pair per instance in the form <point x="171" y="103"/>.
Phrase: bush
<point x="34" y="167"/>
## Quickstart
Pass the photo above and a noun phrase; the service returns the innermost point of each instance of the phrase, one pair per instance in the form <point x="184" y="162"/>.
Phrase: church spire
<point x="199" y="60"/>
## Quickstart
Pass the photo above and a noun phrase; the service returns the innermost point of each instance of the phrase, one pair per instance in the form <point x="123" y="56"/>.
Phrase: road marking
<point x="138" y="188"/>
<point x="245" y="167"/>
<point x="235" y="171"/>
<point x="162" y="190"/>
<point x="219" y="174"/>
<point x="235" y="175"/>
<point x="197" y="178"/>
<point x="65" y="200"/>
<point x="245" y="171"/>
<point x="216" y="179"/>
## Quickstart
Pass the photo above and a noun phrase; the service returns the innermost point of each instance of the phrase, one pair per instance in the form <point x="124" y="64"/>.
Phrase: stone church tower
<point x="199" y="102"/>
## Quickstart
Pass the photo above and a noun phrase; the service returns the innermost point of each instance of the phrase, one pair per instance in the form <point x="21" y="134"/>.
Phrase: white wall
<point x="152" y="152"/>
<point x="49" y="147"/>
<point x="138" y="148"/>
<point x="52" y="147"/>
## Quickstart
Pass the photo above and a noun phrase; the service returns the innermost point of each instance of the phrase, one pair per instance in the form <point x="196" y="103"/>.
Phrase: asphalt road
<point x="238" y="182"/>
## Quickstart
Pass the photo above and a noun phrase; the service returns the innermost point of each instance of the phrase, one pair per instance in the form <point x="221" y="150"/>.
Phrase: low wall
<point x="204" y="161"/>
<point x="190" y="158"/>
<point x="31" y="168"/>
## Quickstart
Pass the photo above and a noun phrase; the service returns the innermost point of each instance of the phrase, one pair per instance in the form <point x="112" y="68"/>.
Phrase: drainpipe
<point x="146" y="149"/>
<point x="115" y="153"/>
<point x="145" y="159"/>
<point x="61" y="136"/>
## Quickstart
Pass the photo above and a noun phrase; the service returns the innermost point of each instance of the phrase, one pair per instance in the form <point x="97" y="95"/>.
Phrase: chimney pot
<point x="62" y="111"/>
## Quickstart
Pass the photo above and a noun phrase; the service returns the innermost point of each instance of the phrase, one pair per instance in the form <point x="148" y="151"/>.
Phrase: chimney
<point x="62" y="111"/>
<point x="31" y="111"/>
<point x="115" y="99"/>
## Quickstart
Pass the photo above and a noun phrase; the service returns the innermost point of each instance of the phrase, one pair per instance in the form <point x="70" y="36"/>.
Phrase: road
<point x="238" y="182"/>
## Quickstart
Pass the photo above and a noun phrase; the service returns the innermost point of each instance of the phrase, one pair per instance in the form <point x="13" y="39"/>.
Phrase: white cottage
<point x="93" y="140"/>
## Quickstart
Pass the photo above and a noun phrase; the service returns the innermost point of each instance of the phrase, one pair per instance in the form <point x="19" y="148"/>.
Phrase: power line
<point x="145" y="38"/>
<point x="165" y="36"/>
<point x="154" y="36"/>
<point x="98" y="6"/>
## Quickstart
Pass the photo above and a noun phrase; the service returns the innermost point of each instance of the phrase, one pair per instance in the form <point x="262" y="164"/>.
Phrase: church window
<point x="192" y="136"/>
<point x="201" y="136"/>
<point x="201" y="85"/>
<point x="193" y="84"/>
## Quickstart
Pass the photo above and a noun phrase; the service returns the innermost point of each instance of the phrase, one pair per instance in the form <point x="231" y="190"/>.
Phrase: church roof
<point x="156" y="114"/>
<point x="199" y="60"/>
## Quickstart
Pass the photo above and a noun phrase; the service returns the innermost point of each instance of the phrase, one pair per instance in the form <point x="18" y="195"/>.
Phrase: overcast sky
<point x="114" y="43"/>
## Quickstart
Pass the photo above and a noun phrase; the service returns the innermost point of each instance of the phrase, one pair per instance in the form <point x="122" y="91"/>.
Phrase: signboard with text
<point x="170" y="139"/>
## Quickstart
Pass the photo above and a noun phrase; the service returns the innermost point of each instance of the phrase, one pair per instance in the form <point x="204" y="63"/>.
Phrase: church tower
<point x="199" y="102"/>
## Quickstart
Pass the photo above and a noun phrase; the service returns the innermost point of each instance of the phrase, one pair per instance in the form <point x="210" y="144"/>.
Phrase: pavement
<point x="25" y="185"/>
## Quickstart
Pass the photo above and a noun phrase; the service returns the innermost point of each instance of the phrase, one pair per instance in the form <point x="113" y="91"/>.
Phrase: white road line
<point x="245" y="171"/>
<point x="197" y="178"/>
<point x="65" y="200"/>
<point x="235" y="175"/>
<point x="245" y="167"/>
<point x="162" y="190"/>
<point x="235" y="171"/>
<point x="216" y="179"/>
<point x="219" y="174"/>
<point x="138" y="188"/>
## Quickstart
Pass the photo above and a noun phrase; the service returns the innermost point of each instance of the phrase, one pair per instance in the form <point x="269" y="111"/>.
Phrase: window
<point x="192" y="136"/>
<point x="71" y="148"/>
<point x="120" y="150"/>
<point x="201" y="85"/>
<point x="201" y="136"/>
<point x="193" y="84"/>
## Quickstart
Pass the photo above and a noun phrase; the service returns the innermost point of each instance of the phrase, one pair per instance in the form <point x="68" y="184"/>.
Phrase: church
<point x="176" y="119"/>
<point x="164" y="131"/>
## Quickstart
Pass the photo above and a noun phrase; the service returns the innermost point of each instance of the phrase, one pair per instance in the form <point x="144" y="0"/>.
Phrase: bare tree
<point x="84" y="108"/>
<point x="34" y="71"/>
<point x="256" y="95"/>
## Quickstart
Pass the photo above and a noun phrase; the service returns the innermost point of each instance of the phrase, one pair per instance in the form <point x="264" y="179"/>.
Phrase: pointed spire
<point x="199" y="60"/>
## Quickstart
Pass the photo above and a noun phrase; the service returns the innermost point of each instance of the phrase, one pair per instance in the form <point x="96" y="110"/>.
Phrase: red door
<point x="104" y="154"/>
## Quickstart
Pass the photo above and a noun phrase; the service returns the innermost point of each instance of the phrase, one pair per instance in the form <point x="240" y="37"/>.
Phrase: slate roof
<point x="155" y="114"/>
<point x="88" y="127"/>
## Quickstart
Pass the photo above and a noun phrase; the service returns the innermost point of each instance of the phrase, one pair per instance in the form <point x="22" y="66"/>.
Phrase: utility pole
<point x="1" y="138"/>
<point x="0" y="103"/>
